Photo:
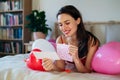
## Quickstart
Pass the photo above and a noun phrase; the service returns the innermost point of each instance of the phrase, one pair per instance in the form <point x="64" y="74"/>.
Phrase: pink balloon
<point x="107" y="59"/>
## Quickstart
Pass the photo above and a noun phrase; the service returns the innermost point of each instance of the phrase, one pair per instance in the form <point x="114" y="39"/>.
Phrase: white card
<point x="63" y="52"/>
<point x="50" y="55"/>
<point x="47" y="50"/>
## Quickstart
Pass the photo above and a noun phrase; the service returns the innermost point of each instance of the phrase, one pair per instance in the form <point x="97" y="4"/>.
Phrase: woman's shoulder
<point x="61" y="39"/>
<point x="93" y="39"/>
<point x="90" y="34"/>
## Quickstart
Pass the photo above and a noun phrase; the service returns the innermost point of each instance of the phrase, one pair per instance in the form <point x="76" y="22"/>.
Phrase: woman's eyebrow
<point x="66" y="20"/>
<point x="63" y="21"/>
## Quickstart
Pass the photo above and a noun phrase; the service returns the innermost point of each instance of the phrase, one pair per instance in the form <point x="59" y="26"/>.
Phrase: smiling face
<point x="68" y="25"/>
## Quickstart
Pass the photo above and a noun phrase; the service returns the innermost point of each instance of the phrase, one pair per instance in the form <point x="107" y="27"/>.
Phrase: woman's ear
<point x="78" y="21"/>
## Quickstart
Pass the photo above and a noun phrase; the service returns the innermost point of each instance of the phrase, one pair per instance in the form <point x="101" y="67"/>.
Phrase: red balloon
<point x="33" y="63"/>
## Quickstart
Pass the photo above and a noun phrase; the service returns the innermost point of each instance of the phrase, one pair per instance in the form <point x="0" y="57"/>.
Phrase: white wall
<point x="92" y="10"/>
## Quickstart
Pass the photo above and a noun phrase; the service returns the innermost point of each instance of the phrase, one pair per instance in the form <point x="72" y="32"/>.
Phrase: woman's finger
<point x="47" y="64"/>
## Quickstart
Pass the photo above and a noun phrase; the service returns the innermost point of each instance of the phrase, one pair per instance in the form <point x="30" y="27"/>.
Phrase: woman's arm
<point x="73" y="50"/>
<point x="58" y="65"/>
<point x="49" y="65"/>
<point x="87" y="67"/>
<point x="79" y="65"/>
<point x="92" y="50"/>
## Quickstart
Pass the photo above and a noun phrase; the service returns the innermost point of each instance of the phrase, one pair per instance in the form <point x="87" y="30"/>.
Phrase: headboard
<point x="113" y="33"/>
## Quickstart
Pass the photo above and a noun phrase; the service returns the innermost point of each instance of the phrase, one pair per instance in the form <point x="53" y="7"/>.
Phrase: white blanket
<point x="14" y="68"/>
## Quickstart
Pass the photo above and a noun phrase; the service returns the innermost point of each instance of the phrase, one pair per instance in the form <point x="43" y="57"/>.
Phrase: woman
<point x="82" y="44"/>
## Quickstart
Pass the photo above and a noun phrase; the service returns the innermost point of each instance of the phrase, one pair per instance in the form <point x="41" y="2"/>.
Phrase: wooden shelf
<point x="12" y="11"/>
<point x="11" y="26"/>
<point x="1" y="53"/>
<point x="13" y="33"/>
<point x="6" y="40"/>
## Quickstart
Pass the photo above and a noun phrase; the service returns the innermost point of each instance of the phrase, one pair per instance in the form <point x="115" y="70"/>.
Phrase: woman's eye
<point x="67" y="23"/>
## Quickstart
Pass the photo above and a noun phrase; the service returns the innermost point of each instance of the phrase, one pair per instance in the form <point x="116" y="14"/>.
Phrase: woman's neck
<point x="72" y="40"/>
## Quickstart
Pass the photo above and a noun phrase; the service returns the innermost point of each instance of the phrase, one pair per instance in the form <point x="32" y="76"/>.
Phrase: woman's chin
<point x="67" y="36"/>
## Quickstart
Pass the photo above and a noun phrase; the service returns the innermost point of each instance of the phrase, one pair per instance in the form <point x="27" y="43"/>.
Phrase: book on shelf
<point x="11" y="5"/>
<point x="12" y="48"/>
<point x="12" y="30"/>
<point x="10" y="33"/>
<point x="10" y="19"/>
<point x="4" y="6"/>
<point x="0" y="33"/>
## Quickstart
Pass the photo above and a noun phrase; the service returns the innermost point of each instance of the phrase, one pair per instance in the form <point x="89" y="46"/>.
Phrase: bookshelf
<point x="13" y="33"/>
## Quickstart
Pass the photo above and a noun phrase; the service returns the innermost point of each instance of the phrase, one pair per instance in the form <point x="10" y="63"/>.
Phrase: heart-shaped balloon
<point x="107" y="58"/>
<point x="34" y="63"/>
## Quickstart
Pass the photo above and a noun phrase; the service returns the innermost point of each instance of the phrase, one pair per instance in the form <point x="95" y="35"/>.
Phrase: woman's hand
<point x="48" y="64"/>
<point x="73" y="51"/>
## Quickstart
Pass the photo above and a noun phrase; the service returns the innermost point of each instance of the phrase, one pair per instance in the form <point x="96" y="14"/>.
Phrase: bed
<point x="14" y="68"/>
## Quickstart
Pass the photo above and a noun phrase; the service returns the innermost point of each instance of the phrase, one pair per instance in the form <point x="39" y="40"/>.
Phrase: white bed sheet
<point x="14" y="68"/>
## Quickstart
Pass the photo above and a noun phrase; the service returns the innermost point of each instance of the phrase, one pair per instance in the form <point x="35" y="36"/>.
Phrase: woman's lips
<point x="67" y="32"/>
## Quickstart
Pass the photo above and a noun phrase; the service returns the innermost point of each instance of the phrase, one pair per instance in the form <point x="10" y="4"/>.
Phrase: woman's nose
<point x="64" y="27"/>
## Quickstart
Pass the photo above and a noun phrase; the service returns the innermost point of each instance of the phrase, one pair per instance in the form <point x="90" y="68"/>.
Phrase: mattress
<point x="14" y="68"/>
